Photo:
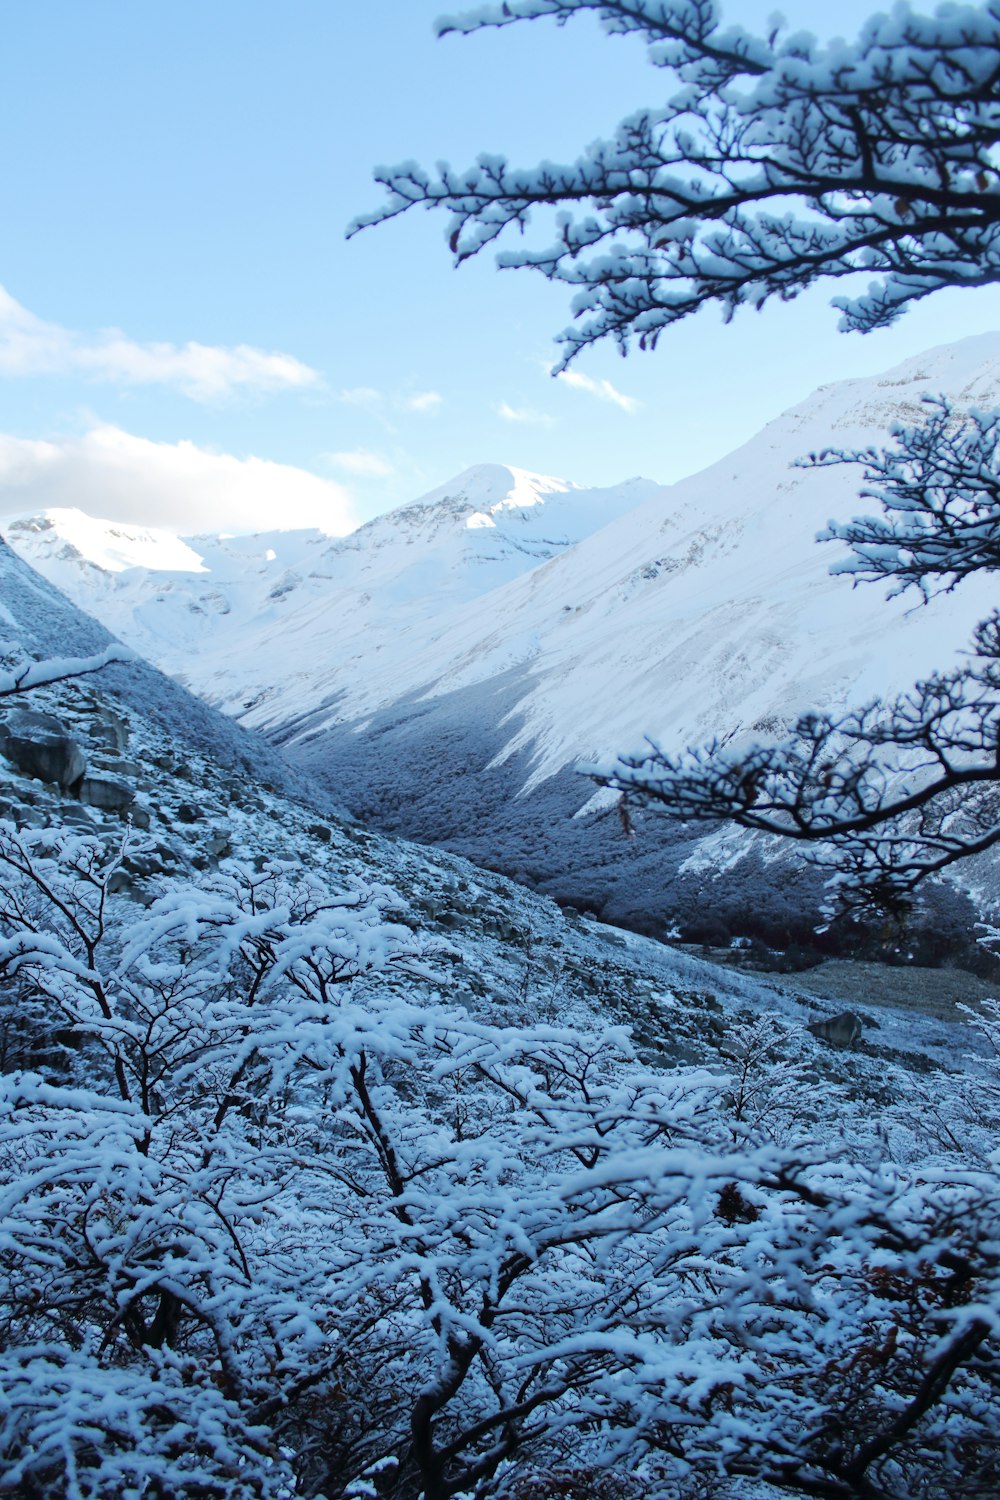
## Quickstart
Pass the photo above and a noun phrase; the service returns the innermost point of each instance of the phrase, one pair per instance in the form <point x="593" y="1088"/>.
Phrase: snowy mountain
<point x="206" y="608"/>
<point x="445" y="667"/>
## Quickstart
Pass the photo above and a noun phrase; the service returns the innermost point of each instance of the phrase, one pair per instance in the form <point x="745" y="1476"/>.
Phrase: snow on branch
<point x="34" y="674"/>
<point x="275" y="1221"/>
<point x="885" y="788"/>
<point x="776" y="163"/>
<point x="939" y="489"/>
<point x="893" y="792"/>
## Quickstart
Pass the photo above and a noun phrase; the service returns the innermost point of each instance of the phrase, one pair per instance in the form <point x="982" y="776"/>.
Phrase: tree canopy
<point x="777" y="162"/>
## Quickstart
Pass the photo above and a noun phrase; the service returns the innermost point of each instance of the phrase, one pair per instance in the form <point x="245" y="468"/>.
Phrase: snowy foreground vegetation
<point x="329" y="1169"/>
<point x="283" y="1213"/>
<point x="300" y="1197"/>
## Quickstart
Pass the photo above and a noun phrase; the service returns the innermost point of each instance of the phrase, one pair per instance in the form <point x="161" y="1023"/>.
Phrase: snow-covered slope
<point x="35" y="618"/>
<point x="445" y="667"/>
<point x="270" y="619"/>
<point x="711" y="609"/>
<point x="679" y="612"/>
<point x="211" y="792"/>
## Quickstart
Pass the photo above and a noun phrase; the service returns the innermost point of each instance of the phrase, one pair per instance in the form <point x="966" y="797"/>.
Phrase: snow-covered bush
<point x="276" y="1218"/>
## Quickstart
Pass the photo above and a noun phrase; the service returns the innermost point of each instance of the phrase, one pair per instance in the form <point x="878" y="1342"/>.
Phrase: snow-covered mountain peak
<point x="67" y="534"/>
<point x="496" y="487"/>
<point x="501" y="497"/>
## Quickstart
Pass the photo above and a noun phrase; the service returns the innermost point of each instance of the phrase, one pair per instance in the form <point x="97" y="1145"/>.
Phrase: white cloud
<point x="602" y="389"/>
<point x="386" y="404"/>
<point x="361" y="395"/>
<point x="178" y="486"/>
<point x="423" y="401"/>
<point x="523" y="414"/>
<point x="361" y="462"/>
<point x="205" y="372"/>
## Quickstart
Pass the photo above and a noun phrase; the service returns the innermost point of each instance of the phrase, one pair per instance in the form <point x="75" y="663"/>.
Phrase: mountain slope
<point x="40" y="620"/>
<point x="708" y="610"/>
<point x="698" y="608"/>
<point x="443" y="669"/>
<point x="205" y="786"/>
<point x="273" y="618"/>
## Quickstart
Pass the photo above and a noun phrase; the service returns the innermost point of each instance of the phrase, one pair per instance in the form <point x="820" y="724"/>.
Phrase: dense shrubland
<point x="281" y="1215"/>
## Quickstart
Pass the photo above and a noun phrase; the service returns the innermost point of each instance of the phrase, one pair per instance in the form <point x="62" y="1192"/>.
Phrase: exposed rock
<point x="186" y="812"/>
<point x="110" y="731"/>
<point x="106" y="794"/>
<point x="40" y="745"/>
<point x="76" y="817"/>
<point x="218" y="844"/>
<point x="843" y="1030"/>
<point x="31" y="817"/>
<point x="140" y="815"/>
<point x="107" y="761"/>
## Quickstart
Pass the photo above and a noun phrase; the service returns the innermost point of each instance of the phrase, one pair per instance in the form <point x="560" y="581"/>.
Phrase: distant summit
<point x="206" y="608"/>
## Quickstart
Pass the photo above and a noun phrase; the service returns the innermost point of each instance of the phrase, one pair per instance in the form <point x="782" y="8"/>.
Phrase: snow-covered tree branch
<point x="939" y="489"/>
<point x="776" y="162"/>
<point x="895" y="791"/>
<point x="27" y="674"/>
<point x="272" y="1222"/>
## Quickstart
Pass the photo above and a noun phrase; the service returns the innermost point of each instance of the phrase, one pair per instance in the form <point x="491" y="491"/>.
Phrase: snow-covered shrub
<point x="278" y="1218"/>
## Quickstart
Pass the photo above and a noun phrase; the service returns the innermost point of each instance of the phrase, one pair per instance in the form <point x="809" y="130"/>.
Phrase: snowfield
<point x="705" y="607"/>
<point x="507" y="627"/>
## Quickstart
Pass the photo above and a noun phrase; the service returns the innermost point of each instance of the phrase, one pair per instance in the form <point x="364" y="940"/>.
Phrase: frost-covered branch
<point x="34" y="674"/>
<point x="882" y="791"/>
<point x="340" y="1237"/>
<point x="939" y="489"/>
<point x="895" y="791"/>
<point x="776" y="163"/>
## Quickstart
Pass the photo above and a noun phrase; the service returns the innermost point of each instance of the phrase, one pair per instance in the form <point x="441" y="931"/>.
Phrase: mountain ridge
<point x="443" y="683"/>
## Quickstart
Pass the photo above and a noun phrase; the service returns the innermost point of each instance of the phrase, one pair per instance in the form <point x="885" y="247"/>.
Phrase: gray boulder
<point x="40" y="745"/>
<point x="110" y="730"/>
<point x="843" y="1030"/>
<point x="218" y="843"/>
<point x="104" y="793"/>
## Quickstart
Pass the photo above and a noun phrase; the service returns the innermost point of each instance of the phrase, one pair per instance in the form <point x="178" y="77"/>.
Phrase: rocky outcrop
<point x="106" y="794"/>
<point x="39" y="745"/>
<point x="110" y="731"/>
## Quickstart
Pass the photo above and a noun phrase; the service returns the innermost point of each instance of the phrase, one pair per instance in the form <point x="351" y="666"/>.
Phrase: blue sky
<point x="187" y="338"/>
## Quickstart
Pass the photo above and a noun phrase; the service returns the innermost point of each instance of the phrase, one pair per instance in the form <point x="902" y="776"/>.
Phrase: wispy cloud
<point x="382" y="402"/>
<point x="525" y="414"/>
<point x="423" y="401"/>
<point x="205" y="372"/>
<point x="113" y="474"/>
<point x="602" y="389"/>
<point x="362" y="463"/>
<point x="361" y="395"/>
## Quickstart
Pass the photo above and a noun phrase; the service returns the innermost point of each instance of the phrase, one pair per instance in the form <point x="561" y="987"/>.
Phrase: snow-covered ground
<point x="210" y="795"/>
<point x="445" y="667"/>
<point x="701" y="608"/>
